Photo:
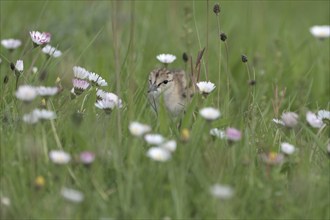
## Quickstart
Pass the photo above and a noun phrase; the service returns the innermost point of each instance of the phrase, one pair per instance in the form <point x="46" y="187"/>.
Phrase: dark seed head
<point x="5" y="80"/>
<point x="12" y="66"/>
<point x="216" y="8"/>
<point x="244" y="59"/>
<point x="252" y="82"/>
<point x="185" y="57"/>
<point x="223" y="37"/>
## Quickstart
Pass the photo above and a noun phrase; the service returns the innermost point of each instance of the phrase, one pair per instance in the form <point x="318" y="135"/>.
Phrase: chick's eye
<point x="165" y="81"/>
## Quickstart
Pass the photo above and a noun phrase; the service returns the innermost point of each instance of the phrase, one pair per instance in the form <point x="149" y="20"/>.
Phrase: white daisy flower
<point x="323" y="115"/>
<point x="19" y="66"/>
<point x="166" y="58"/>
<point x="169" y="145"/>
<point x="155" y="139"/>
<point x="159" y="154"/>
<point x="40" y="38"/>
<point x="97" y="79"/>
<point x="80" y="72"/>
<point x="30" y="118"/>
<point x="290" y="119"/>
<point x="35" y="70"/>
<point x="320" y="32"/>
<point x="210" y="113"/>
<point x="287" y="148"/>
<point x="218" y="133"/>
<point x="205" y="87"/>
<point x="11" y="44"/>
<point x="46" y="91"/>
<point x="278" y="121"/>
<point x="313" y="120"/>
<point x="138" y="129"/>
<point x="26" y="93"/>
<point x="5" y="201"/>
<point x="59" y="157"/>
<point x="111" y="96"/>
<point x="105" y="104"/>
<point x="72" y="195"/>
<point x="44" y="114"/>
<point x="222" y="191"/>
<point x="51" y="51"/>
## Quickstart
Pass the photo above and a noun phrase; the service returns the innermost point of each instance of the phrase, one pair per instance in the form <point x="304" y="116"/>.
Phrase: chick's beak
<point x="152" y="88"/>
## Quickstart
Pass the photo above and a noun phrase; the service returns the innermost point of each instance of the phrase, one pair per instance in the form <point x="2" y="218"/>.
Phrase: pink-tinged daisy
<point x="159" y="154"/>
<point x="210" y="113"/>
<point x="97" y="79"/>
<point x="11" y="44"/>
<point x="233" y="134"/>
<point x="106" y="104"/>
<point x="46" y="91"/>
<point x="205" y="87"/>
<point x="287" y="148"/>
<point x="51" y="51"/>
<point x="290" y="119"/>
<point x="79" y="85"/>
<point x="80" y="72"/>
<point x="72" y="195"/>
<point x="19" y="66"/>
<point x="313" y="120"/>
<point x="59" y="157"/>
<point x="222" y="191"/>
<point x="138" y="129"/>
<point x="40" y="38"/>
<point x="166" y="58"/>
<point x="87" y="157"/>
<point x="26" y="93"/>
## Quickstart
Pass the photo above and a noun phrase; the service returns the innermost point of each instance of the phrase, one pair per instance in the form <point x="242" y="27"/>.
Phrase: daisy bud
<point x="244" y="59"/>
<point x="216" y="8"/>
<point x="223" y="37"/>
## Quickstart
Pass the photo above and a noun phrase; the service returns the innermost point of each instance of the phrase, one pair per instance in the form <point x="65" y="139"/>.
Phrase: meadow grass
<point x="120" y="41"/>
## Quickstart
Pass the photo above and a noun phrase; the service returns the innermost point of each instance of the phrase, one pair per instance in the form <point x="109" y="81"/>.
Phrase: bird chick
<point x="172" y="85"/>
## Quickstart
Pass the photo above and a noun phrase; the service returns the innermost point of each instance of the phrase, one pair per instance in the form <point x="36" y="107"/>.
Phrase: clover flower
<point x="210" y="113"/>
<point x="138" y="129"/>
<point x="166" y="58"/>
<point x="26" y="93"/>
<point x="40" y="38"/>
<point x="80" y="72"/>
<point x="59" y="157"/>
<point x="159" y="154"/>
<point x="11" y="44"/>
<point x="51" y="51"/>
<point x="205" y="87"/>
<point x="320" y="32"/>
